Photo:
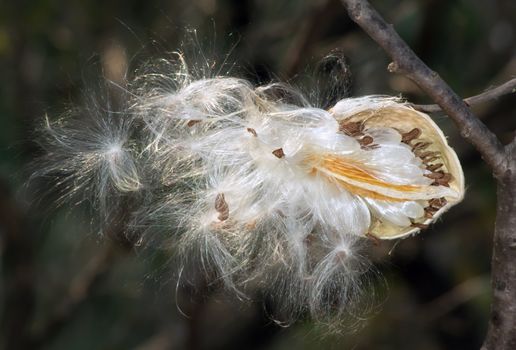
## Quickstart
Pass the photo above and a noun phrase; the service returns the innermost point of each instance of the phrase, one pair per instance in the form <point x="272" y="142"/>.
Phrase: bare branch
<point x="508" y="87"/>
<point x="405" y="61"/>
<point x="501" y="333"/>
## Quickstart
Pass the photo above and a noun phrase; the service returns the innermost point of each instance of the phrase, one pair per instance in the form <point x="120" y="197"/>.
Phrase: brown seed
<point x="438" y="202"/>
<point x="351" y="128"/>
<point x="221" y="206"/>
<point x="430" y="211"/>
<point x="192" y="122"/>
<point x="252" y="131"/>
<point x="447" y="177"/>
<point x="434" y="167"/>
<point x="444" y="180"/>
<point x="279" y="153"/>
<point x="421" y="146"/>
<point x="435" y="175"/>
<point x="365" y="141"/>
<point x="411" y="135"/>
<point x="429" y="159"/>
<point x="434" y="207"/>
<point x="423" y="155"/>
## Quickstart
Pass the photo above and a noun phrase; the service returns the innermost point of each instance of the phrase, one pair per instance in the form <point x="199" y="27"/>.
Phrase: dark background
<point x="62" y="286"/>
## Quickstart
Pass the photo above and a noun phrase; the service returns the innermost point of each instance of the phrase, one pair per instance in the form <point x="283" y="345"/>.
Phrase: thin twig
<point x="405" y="61"/>
<point x="508" y="87"/>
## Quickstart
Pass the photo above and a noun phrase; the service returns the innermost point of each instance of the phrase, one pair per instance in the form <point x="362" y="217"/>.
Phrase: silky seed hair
<point x="89" y="156"/>
<point x="255" y="187"/>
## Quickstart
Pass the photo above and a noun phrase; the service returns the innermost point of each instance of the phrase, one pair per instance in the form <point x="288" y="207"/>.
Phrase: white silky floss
<point x="258" y="191"/>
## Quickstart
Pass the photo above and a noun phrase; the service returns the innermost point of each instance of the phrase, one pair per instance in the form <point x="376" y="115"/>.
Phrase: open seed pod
<point x="384" y="123"/>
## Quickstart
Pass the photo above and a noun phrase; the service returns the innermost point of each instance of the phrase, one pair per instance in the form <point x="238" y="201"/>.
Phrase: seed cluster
<point x="356" y="130"/>
<point x="439" y="177"/>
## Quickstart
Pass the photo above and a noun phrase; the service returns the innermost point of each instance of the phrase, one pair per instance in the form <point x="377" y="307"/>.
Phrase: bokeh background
<point x="62" y="286"/>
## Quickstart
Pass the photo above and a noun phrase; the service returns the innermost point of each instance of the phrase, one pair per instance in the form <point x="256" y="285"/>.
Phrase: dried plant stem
<point x="502" y="161"/>
<point x="492" y="94"/>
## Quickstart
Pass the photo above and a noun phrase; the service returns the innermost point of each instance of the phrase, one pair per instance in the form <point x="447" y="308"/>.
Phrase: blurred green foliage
<point x="64" y="287"/>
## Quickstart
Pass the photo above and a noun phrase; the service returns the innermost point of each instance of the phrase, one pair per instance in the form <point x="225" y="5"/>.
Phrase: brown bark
<point x="509" y="87"/>
<point x="501" y="332"/>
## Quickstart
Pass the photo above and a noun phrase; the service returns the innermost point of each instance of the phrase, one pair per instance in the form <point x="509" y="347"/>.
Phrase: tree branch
<point x="508" y="87"/>
<point x="405" y="61"/>
<point x="501" y="332"/>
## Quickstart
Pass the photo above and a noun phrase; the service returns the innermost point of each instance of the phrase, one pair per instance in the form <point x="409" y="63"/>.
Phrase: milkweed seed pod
<point x="411" y="175"/>
<point x="260" y="189"/>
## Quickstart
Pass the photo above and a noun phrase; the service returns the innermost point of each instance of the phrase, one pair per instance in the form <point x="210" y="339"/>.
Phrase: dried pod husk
<point x="426" y="141"/>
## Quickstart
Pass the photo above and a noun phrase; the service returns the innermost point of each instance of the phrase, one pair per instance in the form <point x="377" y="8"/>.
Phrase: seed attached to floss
<point x="221" y="206"/>
<point x="366" y="141"/>
<point x="279" y="153"/>
<point x="192" y="122"/>
<point x="351" y="128"/>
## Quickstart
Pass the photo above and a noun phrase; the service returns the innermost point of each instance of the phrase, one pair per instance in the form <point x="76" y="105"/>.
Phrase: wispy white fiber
<point x="254" y="186"/>
<point x="89" y="155"/>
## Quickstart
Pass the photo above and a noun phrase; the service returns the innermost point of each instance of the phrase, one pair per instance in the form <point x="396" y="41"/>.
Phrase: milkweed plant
<point x="253" y="189"/>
